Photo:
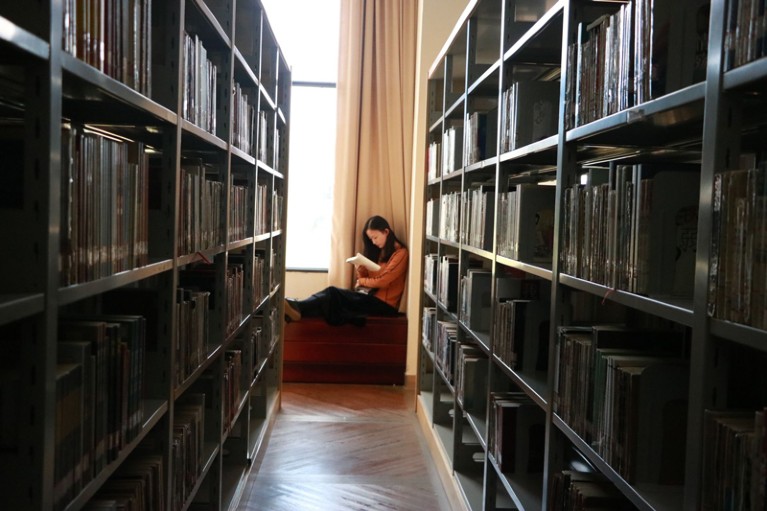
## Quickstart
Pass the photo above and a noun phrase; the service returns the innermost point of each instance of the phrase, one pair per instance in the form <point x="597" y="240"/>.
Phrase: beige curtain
<point x="376" y="87"/>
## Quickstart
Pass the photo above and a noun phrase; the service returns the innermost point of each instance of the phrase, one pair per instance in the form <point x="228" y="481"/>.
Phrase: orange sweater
<point x="389" y="280"/>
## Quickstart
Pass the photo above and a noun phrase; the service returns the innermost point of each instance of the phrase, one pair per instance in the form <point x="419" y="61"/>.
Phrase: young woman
<point x="338" y="306"/>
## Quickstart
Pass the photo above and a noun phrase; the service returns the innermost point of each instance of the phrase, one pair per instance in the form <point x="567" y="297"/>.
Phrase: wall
<point x="300" y="284"/>
<point x="437" y="18"/>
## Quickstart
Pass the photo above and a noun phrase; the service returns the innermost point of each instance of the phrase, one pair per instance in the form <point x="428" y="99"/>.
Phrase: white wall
<point x="437" y="18"/>
<point x="300" y="284"/>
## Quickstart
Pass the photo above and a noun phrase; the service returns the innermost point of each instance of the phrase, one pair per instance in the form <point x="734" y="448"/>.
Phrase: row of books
<point x="625" y="392"/>
<point x="734" y="460"/>
<point x="447" y="273"/>
<point x="529" y="112"/>
<point x="452" y="144"/>
<point x="521" y="334"/>
<point x="603" y="72"/>
<point x="434" y="161"/>
<point x="232" y="387"/>
<point x="640" y="52"/>
<point x="199" y="94"/>
<point x="258" y="346"/>
<point x="738" y="263"/>
<point x="137" y="484"/>
<point x="430" y="273"/>
<point x="99" y="390"/>
<point x="429" y="323"/>
<point x="636" y="232"/>
<point x="114" y="36"/>
<point x="192" y="330"/>
<point x="470" y="378"/>
<point x="234" y="293"/>
<point x="104" y="205"/>
<point x="431" y="228"/>
<point x="574" y="490"/>
<point x="187" y="448"/>
<point x="260" y="285"/>
<point x="449" y="216"/>
<point x="243" y="120"/>
<point x="478" y="212"/>
<point x="238" y="212"/>
<point x="475" y="299"/>
<point x="200" y="203"/>
<point x="444" y="347"/>
<point x="526" y="223"/>
<point x="263" y="140"/>
<point x="481" y="136"/>
<point x="745" y="36"/>
<point x="516" y="433"/>
<point x="278" y="207"/>
<point x="262" y="209"/>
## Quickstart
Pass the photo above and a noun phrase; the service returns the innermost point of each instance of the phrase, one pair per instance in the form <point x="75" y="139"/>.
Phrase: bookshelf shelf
<point x="487" y="82"/>
<point x="753" y="338"/>
<point x="482" y="166"/>
<point x="480" y="338"/>
<point x="543" y="272"/>
<point x="748" y="77"/>
<point x="83" y="81"/>
<point x="197" y="138"/>
<point x="485" y="254"/>
<point x="535" y="383"/>
<point x="542" y="152"/>
<point x="478" y="426"/>
<point x="677" y="116"/>
<point x="471" y="485"/>
<point x="78" y="292"/>
<point x="644" y="497"/>
<point x="235" y="245"/>
<point x="17" y="306"/>
<point x="674" y="309"/>
<point x="16" y="38"/>
<point x="242" y="155"/>
<point x="525" y="489"/>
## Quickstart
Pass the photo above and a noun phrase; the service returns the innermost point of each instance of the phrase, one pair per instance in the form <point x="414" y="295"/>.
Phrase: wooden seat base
<point x="316" y="352"/>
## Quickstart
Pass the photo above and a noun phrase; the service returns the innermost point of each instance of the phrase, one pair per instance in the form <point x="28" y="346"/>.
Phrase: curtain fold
<point x="376" y="94"/>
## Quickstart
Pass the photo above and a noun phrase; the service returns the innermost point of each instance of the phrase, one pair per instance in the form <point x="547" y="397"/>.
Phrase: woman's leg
<point x="339" y="306"/>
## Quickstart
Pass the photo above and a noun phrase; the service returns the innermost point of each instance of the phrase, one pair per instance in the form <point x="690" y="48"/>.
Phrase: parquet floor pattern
<point x="345" y="448"/>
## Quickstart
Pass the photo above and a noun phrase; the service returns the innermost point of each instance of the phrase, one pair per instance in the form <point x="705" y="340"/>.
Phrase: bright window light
<point x="307" y="31"/>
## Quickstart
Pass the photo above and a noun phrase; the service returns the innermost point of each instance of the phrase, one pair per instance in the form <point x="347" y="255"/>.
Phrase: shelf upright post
<point x="42" y="172"/>
<point x="171" y="178"/>
<point x="721" y="148"/>
<point x="566" y="171"/>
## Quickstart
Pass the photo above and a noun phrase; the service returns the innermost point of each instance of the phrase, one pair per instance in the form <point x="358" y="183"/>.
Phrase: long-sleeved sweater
<point x="389" y="280"/>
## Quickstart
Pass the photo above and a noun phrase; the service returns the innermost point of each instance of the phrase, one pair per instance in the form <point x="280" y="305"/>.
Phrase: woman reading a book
<point x="377" y="292"/>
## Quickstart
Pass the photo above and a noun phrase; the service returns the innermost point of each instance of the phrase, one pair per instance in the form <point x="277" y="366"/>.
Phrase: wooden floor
<point x="337" y="447"/>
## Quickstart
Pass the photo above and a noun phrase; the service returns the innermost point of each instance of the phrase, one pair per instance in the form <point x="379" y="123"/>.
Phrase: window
<point x="310" y="43"/>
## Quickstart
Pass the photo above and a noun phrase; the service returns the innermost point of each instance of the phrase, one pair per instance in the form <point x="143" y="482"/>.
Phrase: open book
<point x="361" y="260"/>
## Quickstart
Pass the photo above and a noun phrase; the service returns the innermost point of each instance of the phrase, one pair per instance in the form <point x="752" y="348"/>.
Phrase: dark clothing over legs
<point x="339" y="306"/>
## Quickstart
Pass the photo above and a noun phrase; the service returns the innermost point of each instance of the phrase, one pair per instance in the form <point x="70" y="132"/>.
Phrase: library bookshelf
<point x="142" y="204"/>
<point x="593" y="287"/>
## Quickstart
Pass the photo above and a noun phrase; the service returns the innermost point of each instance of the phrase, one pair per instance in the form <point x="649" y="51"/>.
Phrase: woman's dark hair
<point x="372" y="252"/>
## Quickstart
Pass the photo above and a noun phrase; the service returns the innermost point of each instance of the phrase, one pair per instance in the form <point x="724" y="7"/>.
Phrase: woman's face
<point x="378" y="237"/>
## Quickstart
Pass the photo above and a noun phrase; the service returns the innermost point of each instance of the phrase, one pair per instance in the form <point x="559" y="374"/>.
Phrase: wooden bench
<point x="316" y="352"/>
